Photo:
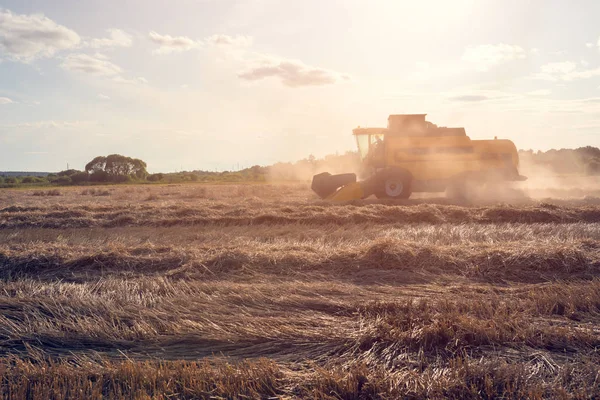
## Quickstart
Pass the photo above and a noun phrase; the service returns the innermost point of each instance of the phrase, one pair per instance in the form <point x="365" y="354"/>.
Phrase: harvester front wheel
<point x="393" y="183"/>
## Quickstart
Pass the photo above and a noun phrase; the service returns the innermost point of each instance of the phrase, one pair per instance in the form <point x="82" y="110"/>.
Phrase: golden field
<point x="265" y="291"/>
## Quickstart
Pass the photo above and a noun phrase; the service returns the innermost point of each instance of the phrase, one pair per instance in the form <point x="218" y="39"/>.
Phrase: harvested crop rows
<point x="265" y="291"/>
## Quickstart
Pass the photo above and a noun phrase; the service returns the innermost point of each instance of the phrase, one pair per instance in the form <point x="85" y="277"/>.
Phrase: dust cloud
<point x="556" y="174"/>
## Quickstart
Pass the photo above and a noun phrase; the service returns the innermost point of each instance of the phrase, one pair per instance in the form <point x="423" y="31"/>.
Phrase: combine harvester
<point x="414" y="155"/>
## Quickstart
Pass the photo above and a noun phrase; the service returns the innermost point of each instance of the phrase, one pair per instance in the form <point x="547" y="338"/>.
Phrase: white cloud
<point x="255" y="66"/>
<point x="51" y="124"/>
<point x="117" y="38"/>
<point x="27" y="37"/>
<point x="486" y="56"/>
<point x="476" y="95"/>
<point x="541" y="92"/>
<point x="563" y="67"/>
<point x="565" y="71"/>
<point x="226" y="40"/>
<point x="292" y="73"/>
<point x="5" y="100"/>
<point x="589" y="45"/>
<point x="133" y="81"/>
<point x="169" y="44"/>
<point x="97" y="64"/>
<point x="470" y="98"/>
<point x="103" y="97"/>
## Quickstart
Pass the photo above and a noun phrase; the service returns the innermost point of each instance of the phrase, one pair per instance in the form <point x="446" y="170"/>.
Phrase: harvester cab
<point x="415" y="155"/>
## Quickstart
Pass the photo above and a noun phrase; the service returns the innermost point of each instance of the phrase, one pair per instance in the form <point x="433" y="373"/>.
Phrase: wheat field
<point x="264" y="291"/>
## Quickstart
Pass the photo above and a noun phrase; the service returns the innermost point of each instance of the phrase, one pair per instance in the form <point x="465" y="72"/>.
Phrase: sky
<point x="222" y="84"/>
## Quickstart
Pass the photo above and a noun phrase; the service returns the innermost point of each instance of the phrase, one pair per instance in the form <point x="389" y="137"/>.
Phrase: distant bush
<point x="68" y="172"/>
<point x="98" y="176"/>
<point x="33" y="180"/>
<point x="63" y="180"/>
<point x="79" y="177"/>
<point x="155" y="177"/>
<point x="580" y="161"/>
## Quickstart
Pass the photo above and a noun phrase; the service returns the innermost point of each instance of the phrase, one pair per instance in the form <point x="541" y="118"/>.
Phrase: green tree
<point x="79" y="177"/>
<point x="116" y="168"/>
<point x="155" y="177"/>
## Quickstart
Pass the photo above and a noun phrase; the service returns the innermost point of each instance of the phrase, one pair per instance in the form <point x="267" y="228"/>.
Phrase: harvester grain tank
<point x="415" y="155"/>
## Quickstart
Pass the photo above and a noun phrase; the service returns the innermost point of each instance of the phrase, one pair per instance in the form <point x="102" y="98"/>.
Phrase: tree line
<point x="116" y="168"/>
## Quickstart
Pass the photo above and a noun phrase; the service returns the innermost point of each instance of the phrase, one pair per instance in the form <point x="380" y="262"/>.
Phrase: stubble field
<point x="264" y="291"/>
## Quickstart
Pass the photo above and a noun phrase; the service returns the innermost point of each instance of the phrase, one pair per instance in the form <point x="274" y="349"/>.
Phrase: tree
<point x="116" y="168"/>
<point x="79" y="177"/>
<point x="155" y="177"/>
<point x="68" y="172"/>
<point x="63" y="180"/>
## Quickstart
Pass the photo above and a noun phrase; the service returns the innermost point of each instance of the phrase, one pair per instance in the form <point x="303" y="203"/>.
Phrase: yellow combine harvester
<point x="414" y="155"/>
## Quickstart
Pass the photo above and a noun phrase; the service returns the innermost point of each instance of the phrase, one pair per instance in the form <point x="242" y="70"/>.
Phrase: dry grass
<point x="266" y="292"/>
<point x="45" y="193"/>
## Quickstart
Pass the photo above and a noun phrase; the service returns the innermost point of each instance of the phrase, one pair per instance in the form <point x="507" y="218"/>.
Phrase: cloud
<point x="27" y="37"/>
<point x="103" y="97"/>
<point x="565" y="71"/>
<point x="292" y="73"/>
<point x="51" y="124"/>
<point x="226" y="40"/>
<point x="475" y="94"/>
<point x="117" y="38"/>
<point x="256" y="66"/>
<point x="469" y="98"/>
<point x="589" y="45"/>
<point x="486" y="56"/>
<point x="5" y="100"/>
<point x="133" y="81"/>
<point x="169" y="44"/>
<point x="97" y="64"/>
<point x="541" y="92"/>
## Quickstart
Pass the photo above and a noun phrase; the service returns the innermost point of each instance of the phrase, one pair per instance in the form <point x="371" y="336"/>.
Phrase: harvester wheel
<point x="393" y="183"/>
